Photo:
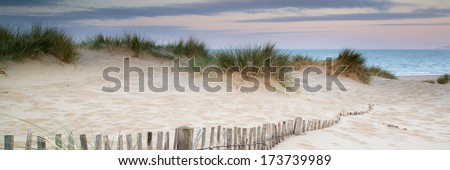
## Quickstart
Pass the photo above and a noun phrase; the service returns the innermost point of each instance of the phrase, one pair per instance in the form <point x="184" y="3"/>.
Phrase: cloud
<point x="27" y="2"/>
<point x="415" y="24"/>
<point x="146" y="8"/>
<point x="417" y="14"/>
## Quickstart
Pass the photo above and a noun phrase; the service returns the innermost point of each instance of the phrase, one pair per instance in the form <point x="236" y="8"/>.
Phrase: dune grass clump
<point x="443" y="79"/>
<point x="101" y="41"/>
<point x="430" y="81"/>
<point x="378" y="71"/>
<point x="131" y="41"/>
<point x="356" y="65"/>
<point x="253" y="56"/>
<point x="18" y="44"/>
<point x="191" y="48"/>
<point x="6" y="37"/>
<point x="138" y="44"/>
<point x="300" y="61"/>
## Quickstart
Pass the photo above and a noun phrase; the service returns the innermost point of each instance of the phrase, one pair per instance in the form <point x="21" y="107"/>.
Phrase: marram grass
<point x="18" y="44"/>
<point x="191" y="48"/>
<point x="253" y="56"/>
<point x="378" y="71"/>
<point x="443" y="79"/>
<point x="356" y="65"/>
<point x="357" y="68"/>
<point x="131" y="41"/>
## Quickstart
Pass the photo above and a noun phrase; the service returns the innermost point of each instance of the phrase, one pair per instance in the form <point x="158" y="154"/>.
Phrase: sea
<point x="399" y="62"/>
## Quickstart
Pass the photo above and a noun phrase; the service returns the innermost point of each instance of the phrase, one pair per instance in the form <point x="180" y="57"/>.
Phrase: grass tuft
<point x="253" y="56"/>
<point x="131" y="41"/>
<point x="18" y="45"/>
<point x="378" y="71"/>
<point x="356" y="65"/>
<point x="430" y="81"/>
<point x="191" y="48"/>
<point x="300" y="61"/>
<point x="443" y="79"/>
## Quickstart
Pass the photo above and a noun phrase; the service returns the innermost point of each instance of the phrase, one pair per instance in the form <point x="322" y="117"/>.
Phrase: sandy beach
<point x="65" y="97"/>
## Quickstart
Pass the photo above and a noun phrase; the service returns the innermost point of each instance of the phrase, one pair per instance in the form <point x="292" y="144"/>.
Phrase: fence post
<point x="139" y="141"/>
<point x="229" y="138"/>
<point x="41" y="143"/>
<point x="224" y="136"/>
<point x="272" y="135"/>
<point x="203" y="138"/>
<point x="269" y="136"/>
<point x="9" y="142"/>
<point x="298" y="126"/>
<point x="159" y="141"/>
<point x="254" y="144"/>
<point x="219" y="135"/>
<point x="258" y="138"/>
<point x="28" y="143"/>
<point x="184" y="136"/>
<point x="120" y="143"/>
<point x="275" y="133"/>
<point x="291" y="127"/>
<point x="166" y="145"/>
<point x="250" y="140"/>
<point x="263" y="137"/>
<point x="303" y="126"/>
<point x="175" y="139"/>
<point x="98" y="142"/>
<point x="83" y="142"/>
<point x="211" y="139"/>
<point x="107" y="144"/>
<point x="149" y="140"/>
<point x="129" y="142"/>
<point x="234" y="138"/>
<point x="239" y="139"/>
<point x="244" y="139"/>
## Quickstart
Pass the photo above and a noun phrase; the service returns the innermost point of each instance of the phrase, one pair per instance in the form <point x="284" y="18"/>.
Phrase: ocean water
<point x="400" y="62"/>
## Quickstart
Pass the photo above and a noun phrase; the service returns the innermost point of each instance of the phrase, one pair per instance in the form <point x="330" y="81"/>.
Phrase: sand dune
<point x="61" y="98"/>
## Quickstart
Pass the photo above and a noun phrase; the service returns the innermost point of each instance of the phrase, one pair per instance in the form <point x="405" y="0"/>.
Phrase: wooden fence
<point x="263" y="137"/>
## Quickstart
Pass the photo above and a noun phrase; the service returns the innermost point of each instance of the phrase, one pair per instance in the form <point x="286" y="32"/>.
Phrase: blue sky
<point x="299" y="24"/>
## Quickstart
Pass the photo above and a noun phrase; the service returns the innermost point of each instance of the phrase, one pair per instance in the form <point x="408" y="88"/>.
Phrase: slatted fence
<point x="263" y="137"/>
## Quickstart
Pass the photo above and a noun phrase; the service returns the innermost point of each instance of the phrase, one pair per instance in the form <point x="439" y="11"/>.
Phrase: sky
<point x="291" y="24"/>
